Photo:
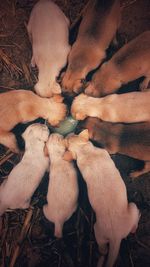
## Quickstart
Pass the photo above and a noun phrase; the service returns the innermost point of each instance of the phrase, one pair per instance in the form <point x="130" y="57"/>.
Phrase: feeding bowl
<point x="65" y="127"/>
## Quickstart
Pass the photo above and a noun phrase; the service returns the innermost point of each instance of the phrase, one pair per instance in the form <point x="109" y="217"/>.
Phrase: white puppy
<point x="17" y="190"/>
<point x="115" y="218"/>
<point x="62" y="193"/>
<point x="48" y="30"/>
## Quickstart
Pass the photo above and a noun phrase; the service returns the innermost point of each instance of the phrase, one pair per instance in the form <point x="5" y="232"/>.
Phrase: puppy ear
<point x="46" y="151"/>
<point x="65" y="141"/>
<point x="68" y="156"/>
<point x="58" y="98"/>
<point x="25" y="134"/>
<point x="62" y="75"/>
<point x="85" y="135"/>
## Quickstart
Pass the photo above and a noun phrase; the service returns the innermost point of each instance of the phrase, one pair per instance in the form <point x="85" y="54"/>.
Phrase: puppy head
<point x="56" y="145"/>
<point x="79" y="106"/>
<point x="36" y="132"/>
<point x="75" y="142"/>
<point x="93" y="125"/>
<point x="56" y="110"/>
<point x="47" y="89"/>
<point x="105" y="81"/>
<point x="72" y="82"/>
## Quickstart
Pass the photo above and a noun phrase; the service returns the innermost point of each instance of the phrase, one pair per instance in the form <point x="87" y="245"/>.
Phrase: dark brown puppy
<point x="132" y="140"/>
<point x="98" y="28"/>
<point x="132" y="61"/>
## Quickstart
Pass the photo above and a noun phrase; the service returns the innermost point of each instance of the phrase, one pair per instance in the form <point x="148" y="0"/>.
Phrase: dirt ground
<point x="26" y="237"/>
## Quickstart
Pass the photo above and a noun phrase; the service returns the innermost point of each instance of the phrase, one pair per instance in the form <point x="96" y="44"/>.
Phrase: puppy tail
<point x="58" y="230"/>
<point x="114" y="247"/>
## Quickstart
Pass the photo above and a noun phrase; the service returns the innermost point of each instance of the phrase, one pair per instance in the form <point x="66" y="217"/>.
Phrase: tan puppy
<point x="115" y="218"/>
<point x="17" y="190"/>
<point x="62" y="193"/>
<point x="130" y="107"/>
<point x="98" y="28"/>
<point x="21" y="106"/>
<point x="131" y="62"/>
<point x="132" y="140"/>
<point x="48" y="30"/>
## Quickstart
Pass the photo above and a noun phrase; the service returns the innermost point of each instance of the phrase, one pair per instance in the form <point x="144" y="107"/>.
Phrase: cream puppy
<point x="127" y="108"/>
<point x="131" y="62"/>
<point x="20" y="106"/>
<point x="16" y="191"/>
<point x="62" y="193"/>
<point x="98" y="28"/>
<point x="48" y="30"/>
<point x="115" y="218"/>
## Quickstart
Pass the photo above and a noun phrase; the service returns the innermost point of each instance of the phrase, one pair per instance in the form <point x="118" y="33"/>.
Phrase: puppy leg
<point x="8" y="139"/>
<point x="145" y="83"/>
<point x="141" y="172"/>
<point x="102" y="245"/>
<point x="58" y="229"/>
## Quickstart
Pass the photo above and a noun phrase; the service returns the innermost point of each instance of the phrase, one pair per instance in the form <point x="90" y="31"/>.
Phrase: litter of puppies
<point x="48" y="30"/>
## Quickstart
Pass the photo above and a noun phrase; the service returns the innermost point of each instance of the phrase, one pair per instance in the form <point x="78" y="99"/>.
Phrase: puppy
<point x="131" y="62"/>
<point x="17" y="190"/>
<point x="48" y="30"/>
<point x="62" y="193"/>
<point x="98" y="28"/>
<point x="21" y="106"/>
<point x="127" y="108"/>
<point x="132" y="140"/>
<point x="115" y="218"/>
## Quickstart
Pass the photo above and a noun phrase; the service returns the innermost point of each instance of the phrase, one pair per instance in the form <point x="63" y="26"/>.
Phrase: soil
<point x="27" y="236"/>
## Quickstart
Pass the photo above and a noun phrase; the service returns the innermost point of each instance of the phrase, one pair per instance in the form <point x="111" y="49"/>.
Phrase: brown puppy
<point x="132" y="61"/>
<point x="21" y="106"/>
<point x="98" y="28"/>
<point x="127" y="108"/>
<point x="132" y="140"/>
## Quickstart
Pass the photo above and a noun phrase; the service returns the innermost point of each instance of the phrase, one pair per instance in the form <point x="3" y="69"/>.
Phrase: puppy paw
<point x="84" y="106"/>
<point x="57" y="113"/>
<point x="72" y="84"/>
